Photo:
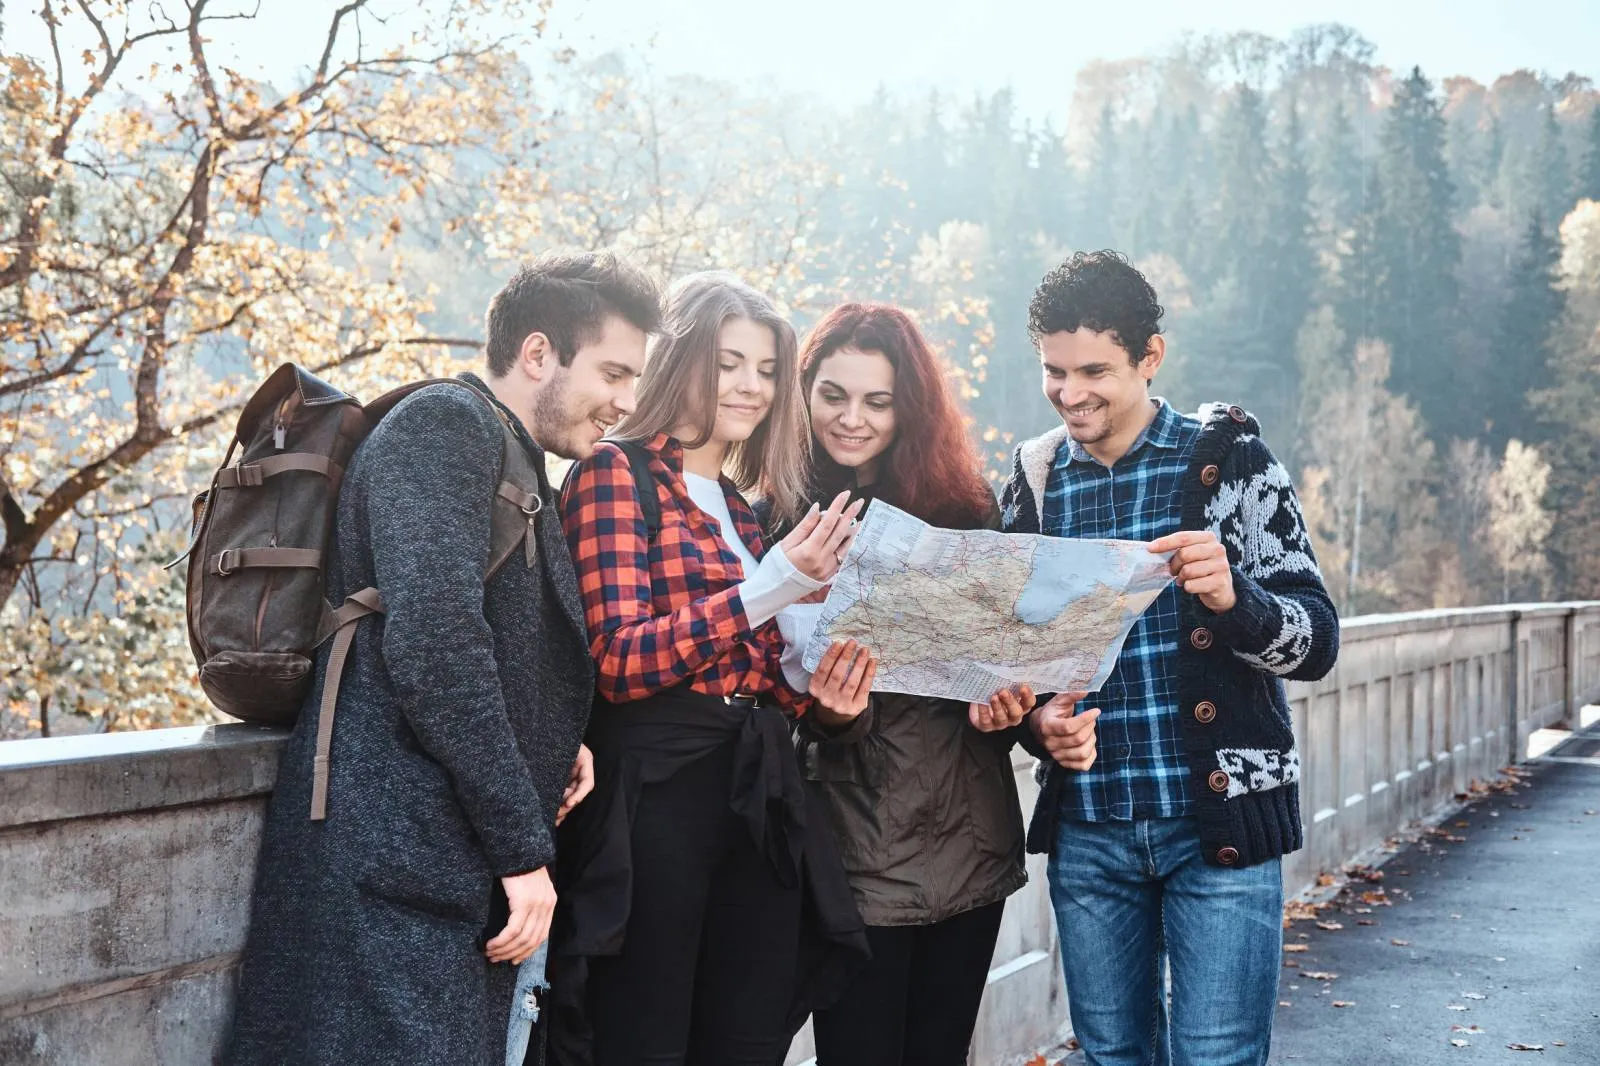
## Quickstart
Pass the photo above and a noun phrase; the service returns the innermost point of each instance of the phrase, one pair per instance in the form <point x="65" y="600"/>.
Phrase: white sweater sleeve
<point x="775" y="585"/>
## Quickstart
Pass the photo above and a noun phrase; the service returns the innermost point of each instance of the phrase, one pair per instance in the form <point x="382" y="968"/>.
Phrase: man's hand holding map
<point x="963" y="613"/>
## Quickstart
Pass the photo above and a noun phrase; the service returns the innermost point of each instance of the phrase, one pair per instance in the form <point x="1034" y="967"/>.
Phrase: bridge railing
<point x="126" y="860"/>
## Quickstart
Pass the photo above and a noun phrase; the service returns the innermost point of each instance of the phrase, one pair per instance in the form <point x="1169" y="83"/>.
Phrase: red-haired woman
<point x="921" y="795"/>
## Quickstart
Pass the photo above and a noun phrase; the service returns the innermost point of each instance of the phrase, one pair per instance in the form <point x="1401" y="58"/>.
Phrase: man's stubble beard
<point x="553" y="425"/>
<point x="1095" y="435"/>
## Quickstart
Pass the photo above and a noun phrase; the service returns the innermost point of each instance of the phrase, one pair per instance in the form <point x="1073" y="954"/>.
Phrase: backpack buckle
<point x="222" y="567"/>
<point x="538" y="505"/>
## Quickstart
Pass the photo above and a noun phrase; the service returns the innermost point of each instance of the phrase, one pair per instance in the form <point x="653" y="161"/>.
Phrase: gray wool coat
<point x="459" y="717"/>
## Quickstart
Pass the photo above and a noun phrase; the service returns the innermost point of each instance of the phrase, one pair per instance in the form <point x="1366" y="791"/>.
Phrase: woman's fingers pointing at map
<point x="820" y="541"/>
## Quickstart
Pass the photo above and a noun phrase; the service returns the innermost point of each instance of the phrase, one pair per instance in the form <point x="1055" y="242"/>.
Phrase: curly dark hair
<point x="567" y="298"/>
<point x="1101" y="291"/>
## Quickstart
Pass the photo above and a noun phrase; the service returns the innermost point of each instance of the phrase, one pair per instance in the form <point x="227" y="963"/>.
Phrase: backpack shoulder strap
<point x="514" y="526"/>
<point x="643" y="483"/>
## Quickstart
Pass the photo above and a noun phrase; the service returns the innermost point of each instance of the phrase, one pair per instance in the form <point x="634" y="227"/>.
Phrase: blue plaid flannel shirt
<point x="1140" y="771"/>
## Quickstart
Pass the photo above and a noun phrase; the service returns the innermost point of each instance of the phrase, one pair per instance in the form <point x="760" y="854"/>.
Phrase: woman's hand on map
<point x="1005" y="709"/>
<point x="842" y="681"/>
<point x="1068" y="736"/>
<point x="816" y="546"/>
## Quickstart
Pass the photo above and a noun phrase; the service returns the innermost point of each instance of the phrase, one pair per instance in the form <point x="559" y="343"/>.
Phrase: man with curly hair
<point x="1167" y="849"/>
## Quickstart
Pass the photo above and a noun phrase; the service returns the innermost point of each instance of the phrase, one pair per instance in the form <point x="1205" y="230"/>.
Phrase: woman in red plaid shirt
<point x="684" y="934"/>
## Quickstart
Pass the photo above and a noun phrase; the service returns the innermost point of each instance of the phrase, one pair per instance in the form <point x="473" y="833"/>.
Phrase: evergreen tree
<point x="1285" y="274"/>
<point x="1097" y="226"/>
<point x="1149" y="191"/>
<point x="1183" y="227"/>
<point x="1589" y="171"/>
<point x="1355" y="283"/>
<point x="1520" y="361"/>
<point x="1415" y="253"/>
<point x="1554" y="178"/>
<point x="1339" y="177"/>
<point x="1190" y="167"/>
<point x="1238" y="223"/>
<point x="928" y="167"/>
<point x="1493" y="159"/>
<point x="1053" y="183"/>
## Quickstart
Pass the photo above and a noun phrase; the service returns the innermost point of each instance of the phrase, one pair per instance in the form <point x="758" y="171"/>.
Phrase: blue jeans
<point x="1129" y="896"/>
<point x="524" y="1006"/>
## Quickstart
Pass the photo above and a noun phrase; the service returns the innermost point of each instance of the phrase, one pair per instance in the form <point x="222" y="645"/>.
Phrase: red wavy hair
<point x="931" y="470"/>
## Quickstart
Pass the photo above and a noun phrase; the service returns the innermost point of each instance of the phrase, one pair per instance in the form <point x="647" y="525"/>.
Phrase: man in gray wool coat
<point x="390" y="932"/>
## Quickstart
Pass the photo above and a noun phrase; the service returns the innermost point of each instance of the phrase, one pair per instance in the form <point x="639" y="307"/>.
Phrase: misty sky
<point x="842" y="49"/>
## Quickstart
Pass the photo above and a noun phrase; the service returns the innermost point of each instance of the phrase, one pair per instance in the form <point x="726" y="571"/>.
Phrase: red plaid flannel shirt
<point x="665" y="611"/>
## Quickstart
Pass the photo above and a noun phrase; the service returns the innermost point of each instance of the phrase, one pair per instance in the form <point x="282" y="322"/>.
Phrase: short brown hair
<point x="567" y="298"/>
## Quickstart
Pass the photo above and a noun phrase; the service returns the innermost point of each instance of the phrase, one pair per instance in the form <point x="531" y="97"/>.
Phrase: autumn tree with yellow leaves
<point x="161" y="250"/>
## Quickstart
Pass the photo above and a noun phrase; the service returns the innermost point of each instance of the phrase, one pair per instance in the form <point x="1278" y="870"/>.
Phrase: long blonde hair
<point x="681" y="379"/>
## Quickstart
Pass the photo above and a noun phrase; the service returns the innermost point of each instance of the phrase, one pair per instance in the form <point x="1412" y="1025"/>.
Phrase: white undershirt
<point x="770" y="585"/>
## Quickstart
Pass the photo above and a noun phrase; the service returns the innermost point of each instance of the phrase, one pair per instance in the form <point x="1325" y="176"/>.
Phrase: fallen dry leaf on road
<point x="1473" y="995"/>
<point x="1456" y="1006"/>
<point x="1400" y="943"/>
<point x="1459" y="1043"/>
<point x="1319" y="975"/>
<point x="1298" y="910"/>
<point x="1526" y="1047"/>
<point x="1297" y="947"/>
<point x="1330" y="926"/>
<point x="1038" y="1060"/>
<point x="1478" y="1029"/>
<point x="1344" y="1003"/>
<point x="1365" y="921"/>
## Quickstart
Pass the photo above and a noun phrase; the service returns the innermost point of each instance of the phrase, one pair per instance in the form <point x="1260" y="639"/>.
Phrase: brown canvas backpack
<point x="257" y="559"/>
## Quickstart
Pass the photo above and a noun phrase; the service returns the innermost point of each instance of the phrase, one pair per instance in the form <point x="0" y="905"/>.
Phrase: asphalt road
<point x="1486" y="932"/>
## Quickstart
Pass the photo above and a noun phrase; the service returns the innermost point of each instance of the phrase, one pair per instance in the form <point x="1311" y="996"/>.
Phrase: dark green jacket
<point x="925" y="808"/>
<point x="924" y="805"/>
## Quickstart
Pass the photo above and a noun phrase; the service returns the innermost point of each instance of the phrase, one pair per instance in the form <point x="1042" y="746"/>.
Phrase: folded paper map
<point x="963" y="613"/>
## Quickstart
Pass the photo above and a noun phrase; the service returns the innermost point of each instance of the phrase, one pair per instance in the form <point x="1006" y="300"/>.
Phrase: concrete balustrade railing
<point x="126" y="860"/>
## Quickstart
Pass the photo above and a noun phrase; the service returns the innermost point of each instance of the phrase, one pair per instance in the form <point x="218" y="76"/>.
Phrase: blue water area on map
<point x="1051" y="585"/>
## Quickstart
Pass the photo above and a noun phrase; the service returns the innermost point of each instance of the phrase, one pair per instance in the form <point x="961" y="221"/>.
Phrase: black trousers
<point x="707" y="970"/>
<point x="917" y="1003"/>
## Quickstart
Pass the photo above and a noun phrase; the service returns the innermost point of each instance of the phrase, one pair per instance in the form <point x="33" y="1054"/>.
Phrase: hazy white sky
<point x="846" y="47"/>
<point x="842" y="49"/>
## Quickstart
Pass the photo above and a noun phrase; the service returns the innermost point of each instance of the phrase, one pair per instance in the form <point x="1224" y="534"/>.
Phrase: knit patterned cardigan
<point x="1237" y="733"/>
